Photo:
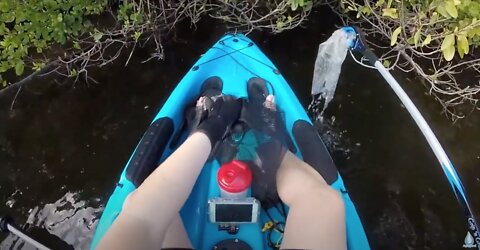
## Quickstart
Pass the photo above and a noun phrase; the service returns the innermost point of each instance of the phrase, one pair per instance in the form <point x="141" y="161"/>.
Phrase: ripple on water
<point x="69" y="218"/>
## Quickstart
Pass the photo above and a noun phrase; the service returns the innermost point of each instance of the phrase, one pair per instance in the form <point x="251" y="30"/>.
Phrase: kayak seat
<point x="149" y="150"/>
<point x="314" y="151"/>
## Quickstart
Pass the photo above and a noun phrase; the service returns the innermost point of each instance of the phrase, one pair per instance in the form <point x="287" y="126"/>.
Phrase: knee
<point x="321" y="195"/>
<point x="330" y="196"/>
<point x="311" y="191"/>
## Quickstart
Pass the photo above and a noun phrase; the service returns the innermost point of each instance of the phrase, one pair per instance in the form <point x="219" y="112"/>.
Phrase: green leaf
<point x="59" y="17"/>
<point x="137" y="35"/>
<point x="379" y="3"/>
<point x="293" y="4"/>
<point x="389" y="4"/>
<point x="19" y="67"/>
<point x="443" y="11"/>
<point x="393" y="39"/>
<point x="448" y="53"/>
<point x="462" y="45"/>
<point x="416" y="37"/>
<point x="451" y="9"/>
<point x="386" y="63"/>
<point x="427" y="40"/>
<point x="366" y="10"/>
<point x="8" y="17"/>
<point x="390" y="12"/>
<point x="97" y="35"/>
<point x="76" y="45"/>
<point x="434" y="18"/>
<point x="410" y="41"/>
<point x="280" y="24"/>
<point x="308" y="5"/>
<point x="448" y="47"/>
<point x="37" y="66"/>
<point x="473" y="32"/>
<point x="72" y="73"/>
<point x="448" y="41"/>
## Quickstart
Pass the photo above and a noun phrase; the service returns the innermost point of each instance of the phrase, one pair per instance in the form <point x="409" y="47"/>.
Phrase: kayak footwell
<point x="235" y="59"/>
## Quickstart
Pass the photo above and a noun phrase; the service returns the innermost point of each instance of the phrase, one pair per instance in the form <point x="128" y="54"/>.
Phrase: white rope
<point x="360" y="62"/>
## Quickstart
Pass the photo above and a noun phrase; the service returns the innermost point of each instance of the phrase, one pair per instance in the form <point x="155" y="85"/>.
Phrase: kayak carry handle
<point x="7" y="226"/>
<point x="359" y="45"/>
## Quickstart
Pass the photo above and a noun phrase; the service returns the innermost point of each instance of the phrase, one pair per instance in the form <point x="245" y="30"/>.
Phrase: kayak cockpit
<point x="235" y="59"/>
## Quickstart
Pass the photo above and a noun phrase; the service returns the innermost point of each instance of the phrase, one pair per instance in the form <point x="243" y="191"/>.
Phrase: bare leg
<point x="316" y="219"/>
<point x="176" y="236"/>
<point x="150" y="209"/>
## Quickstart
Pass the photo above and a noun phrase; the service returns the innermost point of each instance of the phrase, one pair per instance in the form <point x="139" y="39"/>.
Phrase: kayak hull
<point x="235" y="59"/>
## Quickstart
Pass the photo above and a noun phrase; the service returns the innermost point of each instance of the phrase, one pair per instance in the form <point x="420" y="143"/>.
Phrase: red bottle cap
<point x="234" y="177"/>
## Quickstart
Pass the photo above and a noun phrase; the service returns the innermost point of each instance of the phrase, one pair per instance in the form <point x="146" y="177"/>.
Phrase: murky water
<point x="62" y="148"/>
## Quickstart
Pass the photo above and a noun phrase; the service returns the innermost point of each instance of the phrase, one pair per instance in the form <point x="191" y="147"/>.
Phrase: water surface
<point x="63" y="147"/>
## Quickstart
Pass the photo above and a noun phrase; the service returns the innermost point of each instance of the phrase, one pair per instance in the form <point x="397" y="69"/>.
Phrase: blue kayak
<point x="234" y="59"/>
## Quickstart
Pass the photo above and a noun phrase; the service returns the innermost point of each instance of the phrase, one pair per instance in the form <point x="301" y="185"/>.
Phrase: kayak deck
<point x="235" y="59"/>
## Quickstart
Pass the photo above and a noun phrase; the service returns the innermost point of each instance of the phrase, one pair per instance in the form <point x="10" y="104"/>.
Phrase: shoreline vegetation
<point x="435" y="39"/>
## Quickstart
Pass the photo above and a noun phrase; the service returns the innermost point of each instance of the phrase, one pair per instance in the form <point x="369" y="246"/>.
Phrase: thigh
<point x="316" y="218"/>
<point x="176" y="236"/>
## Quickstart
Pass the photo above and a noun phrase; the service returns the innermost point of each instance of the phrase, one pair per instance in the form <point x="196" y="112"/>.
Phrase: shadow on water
<point x="62" y="148"/>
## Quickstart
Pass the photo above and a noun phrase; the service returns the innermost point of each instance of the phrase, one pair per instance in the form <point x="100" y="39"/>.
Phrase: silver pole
<point x="439" y="152"/>
<point x="422" y="124"/>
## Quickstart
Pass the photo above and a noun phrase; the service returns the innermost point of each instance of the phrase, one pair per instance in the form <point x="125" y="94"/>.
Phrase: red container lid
<point x="234" y="177"/>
